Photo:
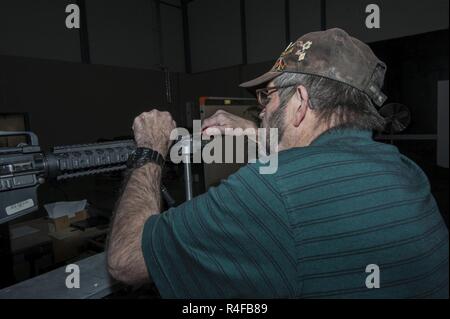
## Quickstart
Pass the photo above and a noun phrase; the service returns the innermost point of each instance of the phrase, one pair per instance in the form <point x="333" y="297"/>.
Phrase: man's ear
<point x="302" y="99"/>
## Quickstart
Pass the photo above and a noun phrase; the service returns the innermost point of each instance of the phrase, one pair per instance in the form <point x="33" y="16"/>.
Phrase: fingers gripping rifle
<point x="25" y="167"/>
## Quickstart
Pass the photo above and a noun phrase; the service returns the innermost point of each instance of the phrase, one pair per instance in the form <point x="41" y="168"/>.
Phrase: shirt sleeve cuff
<point x="151" y="251"/>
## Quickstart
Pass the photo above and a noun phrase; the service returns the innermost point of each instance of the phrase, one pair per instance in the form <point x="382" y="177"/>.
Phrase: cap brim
<point x="260" y="80"/>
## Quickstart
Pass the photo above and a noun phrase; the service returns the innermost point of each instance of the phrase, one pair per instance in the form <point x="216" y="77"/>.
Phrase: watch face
<point x="138" y="152"/>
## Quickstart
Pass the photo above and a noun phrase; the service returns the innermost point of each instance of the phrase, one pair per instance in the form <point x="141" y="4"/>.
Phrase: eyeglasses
<point x="263" y="95"/>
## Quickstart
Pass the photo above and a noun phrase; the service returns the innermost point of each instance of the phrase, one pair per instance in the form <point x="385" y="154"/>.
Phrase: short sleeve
<point x="234" y="241"/>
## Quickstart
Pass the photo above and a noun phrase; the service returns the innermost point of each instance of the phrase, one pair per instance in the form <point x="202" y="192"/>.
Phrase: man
<point x="343" y="216"/>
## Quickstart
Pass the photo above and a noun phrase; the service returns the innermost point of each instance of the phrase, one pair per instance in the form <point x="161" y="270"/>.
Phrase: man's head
<point x="323" y="80"/>
<point x="303" y="106"/>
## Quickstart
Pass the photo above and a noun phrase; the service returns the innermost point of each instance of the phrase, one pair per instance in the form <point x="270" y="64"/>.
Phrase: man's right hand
<point x="222" y="120"/>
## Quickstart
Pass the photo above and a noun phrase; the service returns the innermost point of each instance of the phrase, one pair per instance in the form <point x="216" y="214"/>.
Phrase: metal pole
<point x="186" y="154"/>
<point x="188" y="180"/>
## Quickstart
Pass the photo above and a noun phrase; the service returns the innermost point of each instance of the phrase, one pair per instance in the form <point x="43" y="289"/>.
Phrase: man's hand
<point x="152" y="130"/>
<point x="222" y="120"/>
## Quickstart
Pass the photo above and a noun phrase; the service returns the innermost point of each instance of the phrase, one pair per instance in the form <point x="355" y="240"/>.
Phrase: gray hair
<point x="335" y="103"/>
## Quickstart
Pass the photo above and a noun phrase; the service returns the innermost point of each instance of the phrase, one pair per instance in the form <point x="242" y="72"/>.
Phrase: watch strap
<point x="144" y="155"/>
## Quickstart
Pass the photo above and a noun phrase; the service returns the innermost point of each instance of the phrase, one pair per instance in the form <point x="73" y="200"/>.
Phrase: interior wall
<point x="88" y="102"/>
<point x="93" y="101"/>
<point x="222" y="82"/>
<point x="121" y="33"/>
<point x="217" y="83"/>
<point x="71" y="103"/>
<point x="415" y="65"/>
<point x="398" y="18"/>
<point x="215" y="34"/>
<point x="266" y="25"/>
<point x="128" y="34"/>
<point x="305" y="16"/>
<point x="172" y="38"/>
<point x="266" y="29"/>
<point x="116" y="31"/>
<point x="37" y="29"/>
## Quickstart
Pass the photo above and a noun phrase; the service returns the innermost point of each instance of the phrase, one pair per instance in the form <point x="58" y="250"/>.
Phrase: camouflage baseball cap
<point x="331" y="54"/>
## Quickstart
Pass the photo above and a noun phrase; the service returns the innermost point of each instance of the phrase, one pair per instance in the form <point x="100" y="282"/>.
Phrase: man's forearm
<point x="140" y="199"/>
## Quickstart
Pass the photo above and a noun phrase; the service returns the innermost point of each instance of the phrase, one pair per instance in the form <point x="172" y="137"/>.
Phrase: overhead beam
<point x="323" y="15"/>
<point x="84" y="35"/>
<point x="244" y="33"/>
<point x="186" y="36"/>
<point x="159" y="30"/>
<point x="169" y="4"/>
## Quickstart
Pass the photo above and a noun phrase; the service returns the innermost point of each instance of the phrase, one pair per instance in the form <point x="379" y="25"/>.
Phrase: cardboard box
<point x="68" y="244"/>
<point x="63" y="223"/>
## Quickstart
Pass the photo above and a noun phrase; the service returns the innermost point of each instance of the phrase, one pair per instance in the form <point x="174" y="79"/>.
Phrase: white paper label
<point x="18" y="207"/>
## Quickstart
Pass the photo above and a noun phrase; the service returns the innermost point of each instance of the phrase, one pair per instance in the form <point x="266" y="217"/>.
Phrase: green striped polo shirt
<point x="308" y="231"/>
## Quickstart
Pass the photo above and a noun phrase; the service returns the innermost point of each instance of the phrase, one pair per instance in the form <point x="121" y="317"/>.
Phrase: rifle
<point x="24" y="167"/>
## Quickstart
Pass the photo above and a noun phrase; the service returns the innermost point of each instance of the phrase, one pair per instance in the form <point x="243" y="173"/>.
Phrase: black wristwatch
<point x="142" y="156"/>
